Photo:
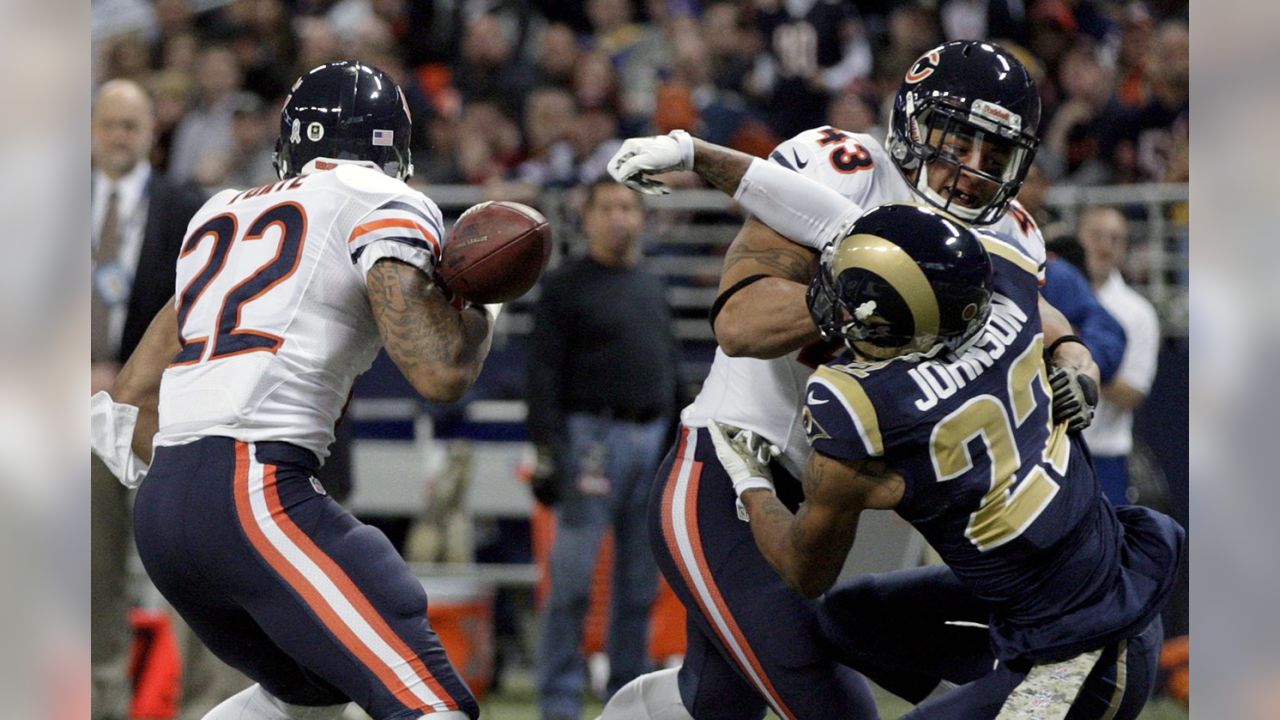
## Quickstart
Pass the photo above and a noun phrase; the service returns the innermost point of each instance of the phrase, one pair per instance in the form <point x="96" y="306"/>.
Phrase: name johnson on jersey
<point x="940" y="380"/>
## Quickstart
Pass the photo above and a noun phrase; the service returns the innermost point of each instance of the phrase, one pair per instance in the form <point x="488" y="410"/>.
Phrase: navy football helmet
<point x="345" y="111"/>
<point x="966" y="101"/>
<point x="906" y="279"/>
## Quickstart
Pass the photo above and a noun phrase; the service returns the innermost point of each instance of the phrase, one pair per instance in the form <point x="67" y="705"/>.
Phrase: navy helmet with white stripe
<point x="966" y="101"/>
<point x="345" y="111"/>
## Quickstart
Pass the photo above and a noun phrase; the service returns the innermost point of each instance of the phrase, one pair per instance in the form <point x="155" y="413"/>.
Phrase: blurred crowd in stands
<point x="518" y="95"/>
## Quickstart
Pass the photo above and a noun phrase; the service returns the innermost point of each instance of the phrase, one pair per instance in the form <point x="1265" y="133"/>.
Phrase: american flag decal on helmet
<point x="383" y="137"/>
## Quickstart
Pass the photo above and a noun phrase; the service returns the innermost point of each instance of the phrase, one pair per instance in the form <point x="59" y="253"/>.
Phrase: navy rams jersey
<point x="1007" y="499"/>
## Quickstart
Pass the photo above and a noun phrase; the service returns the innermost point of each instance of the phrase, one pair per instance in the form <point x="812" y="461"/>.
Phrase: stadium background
<point x="525" y="100"/>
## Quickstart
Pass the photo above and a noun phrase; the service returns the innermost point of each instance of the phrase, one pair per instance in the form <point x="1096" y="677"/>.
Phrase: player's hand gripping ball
<point x="495" y="252"/>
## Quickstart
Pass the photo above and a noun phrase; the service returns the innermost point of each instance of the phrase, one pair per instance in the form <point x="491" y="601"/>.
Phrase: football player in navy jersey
<point x="941" y="412"/>
<point x="752" y="639"/>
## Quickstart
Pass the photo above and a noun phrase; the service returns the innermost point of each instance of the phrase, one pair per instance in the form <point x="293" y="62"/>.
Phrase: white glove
<point x="111" y="436"/>
<point x="643" y="156"/>
<point x="745" y="456"/>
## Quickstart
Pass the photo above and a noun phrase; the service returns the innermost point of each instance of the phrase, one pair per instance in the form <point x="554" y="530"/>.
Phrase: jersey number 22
<point x="229" y="338"/>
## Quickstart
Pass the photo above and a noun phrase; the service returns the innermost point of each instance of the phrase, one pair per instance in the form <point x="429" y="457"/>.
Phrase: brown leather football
<point x="496" y="252"/>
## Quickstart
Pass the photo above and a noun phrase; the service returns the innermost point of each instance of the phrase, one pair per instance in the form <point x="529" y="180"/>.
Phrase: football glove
<point x="1075" y="395"/>
<point x="745" y="456"/>
<point x="644" y="156"/>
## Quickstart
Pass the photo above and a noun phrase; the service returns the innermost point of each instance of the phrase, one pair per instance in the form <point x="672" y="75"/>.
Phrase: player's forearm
<point x="138" y="383"/>
<point x="779" y="538"/>
<point x="438" y="348"/>
<point x="1069" y="354"/>
<point x="453" y="357"/>
<point x="771" y="525"/>
<point x="767" y="319"/>
<point x="720" y="166"/>
<point x="477" y="331"/>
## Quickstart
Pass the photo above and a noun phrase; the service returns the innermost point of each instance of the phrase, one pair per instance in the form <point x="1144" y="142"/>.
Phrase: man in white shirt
<point x="1104" y="234"/>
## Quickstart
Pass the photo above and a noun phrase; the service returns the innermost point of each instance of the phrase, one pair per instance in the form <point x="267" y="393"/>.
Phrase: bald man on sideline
<point x="138" y="220"/>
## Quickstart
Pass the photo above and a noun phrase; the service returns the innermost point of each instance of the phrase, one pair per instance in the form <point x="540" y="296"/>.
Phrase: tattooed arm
<point x="793" y="217"/>
<point x="769" y="317"/>
<point x="720" y="166"/>
<point x="808" y="549"/>
<point x="439" y="349"/>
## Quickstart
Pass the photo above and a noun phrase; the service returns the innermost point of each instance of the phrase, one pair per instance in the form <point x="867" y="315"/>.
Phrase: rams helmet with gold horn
<point x="906" y="279"/>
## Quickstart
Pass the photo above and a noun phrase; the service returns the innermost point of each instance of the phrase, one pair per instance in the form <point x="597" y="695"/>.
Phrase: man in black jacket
<point x="139" y="219"/>
<point x="603" y="364"/>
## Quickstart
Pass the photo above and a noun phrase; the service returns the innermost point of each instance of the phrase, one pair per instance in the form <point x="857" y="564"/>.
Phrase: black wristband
<point x="723" y="297"/>
<point x="1053" y="347"/>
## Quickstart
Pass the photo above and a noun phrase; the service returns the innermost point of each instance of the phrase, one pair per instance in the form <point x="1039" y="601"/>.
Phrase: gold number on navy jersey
<point x="230" y="338"/>
<point x="1005" y="511"/>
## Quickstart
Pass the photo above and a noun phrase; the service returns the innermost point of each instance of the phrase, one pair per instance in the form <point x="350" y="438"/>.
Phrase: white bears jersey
<point x="273" y="312"/>
<point x="766" y="396"/>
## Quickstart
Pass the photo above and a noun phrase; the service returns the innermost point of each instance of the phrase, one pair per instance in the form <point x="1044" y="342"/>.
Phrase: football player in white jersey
<point x="286" y="292"/>
<point x="962" y="138"/>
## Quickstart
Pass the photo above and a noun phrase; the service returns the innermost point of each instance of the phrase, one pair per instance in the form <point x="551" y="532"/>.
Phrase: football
<point x="495" y="252"/>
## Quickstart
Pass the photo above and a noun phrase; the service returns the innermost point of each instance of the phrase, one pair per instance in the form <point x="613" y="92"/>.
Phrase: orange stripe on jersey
<point x="312" y="597"/>
<point x="394" y="223"/>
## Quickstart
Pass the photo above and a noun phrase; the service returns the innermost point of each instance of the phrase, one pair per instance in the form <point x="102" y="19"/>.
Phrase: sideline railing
<point x="690" y="229"/>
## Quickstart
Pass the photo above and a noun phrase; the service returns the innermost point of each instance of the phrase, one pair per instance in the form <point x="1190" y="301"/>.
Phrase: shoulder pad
<point x="1011" y="250"/>
<point x="1018" y="223"/>
<point x="368" y="180"/>
<point x="840" y="419"/>
<point x="841" y="160"/>
<point x="222" y="197"/>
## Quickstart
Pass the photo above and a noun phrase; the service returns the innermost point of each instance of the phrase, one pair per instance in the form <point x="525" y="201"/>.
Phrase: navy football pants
<point x="753" y="642"/>
<point x="284" y="585"/>
<point x="922" y="623"/>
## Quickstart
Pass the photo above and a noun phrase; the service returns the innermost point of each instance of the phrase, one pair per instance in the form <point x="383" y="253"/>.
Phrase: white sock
<point x="653" y="696"/>
<point x="254" y="703"/>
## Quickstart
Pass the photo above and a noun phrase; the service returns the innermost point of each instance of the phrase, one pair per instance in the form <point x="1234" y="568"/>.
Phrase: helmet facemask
<point x="877" y="323"/>
<point x="942" y="137"/>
